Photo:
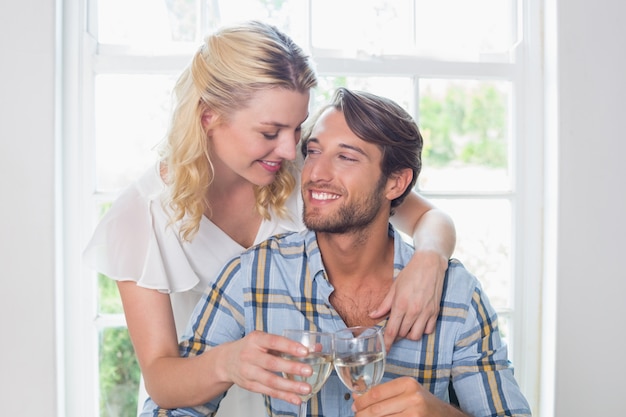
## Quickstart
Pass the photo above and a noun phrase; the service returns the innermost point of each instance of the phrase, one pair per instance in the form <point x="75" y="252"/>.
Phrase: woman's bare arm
<point x="173" y="381"/>
<point x="413" y="301"/>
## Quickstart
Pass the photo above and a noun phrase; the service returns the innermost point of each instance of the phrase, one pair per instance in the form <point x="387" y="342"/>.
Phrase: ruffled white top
<point x="135" y="241"/>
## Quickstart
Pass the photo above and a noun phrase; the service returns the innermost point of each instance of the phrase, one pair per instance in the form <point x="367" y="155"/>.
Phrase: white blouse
<point x="134" y="241"/>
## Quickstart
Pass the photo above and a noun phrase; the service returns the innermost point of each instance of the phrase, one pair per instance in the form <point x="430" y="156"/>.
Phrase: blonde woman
<point x="229" y="179"/>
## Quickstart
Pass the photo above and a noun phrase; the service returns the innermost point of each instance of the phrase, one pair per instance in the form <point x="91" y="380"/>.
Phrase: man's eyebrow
<point x="341" y="145"/>
<point x="353" y="148"/>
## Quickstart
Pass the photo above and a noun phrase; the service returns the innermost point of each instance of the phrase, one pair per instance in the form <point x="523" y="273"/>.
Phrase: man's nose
<point x="320" y="168"/>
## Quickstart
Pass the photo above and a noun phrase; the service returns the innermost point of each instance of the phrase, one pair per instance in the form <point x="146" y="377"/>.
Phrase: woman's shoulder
<point x="149" y="185"/>
<point x="138" y="195"/>
<point x="133" y="227"/>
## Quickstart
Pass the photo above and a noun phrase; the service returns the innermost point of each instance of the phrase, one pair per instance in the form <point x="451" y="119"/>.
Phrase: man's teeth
<point x="323" y="196"/>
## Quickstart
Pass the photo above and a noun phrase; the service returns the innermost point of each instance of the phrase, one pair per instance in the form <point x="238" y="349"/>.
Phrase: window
<point x="466" y="70"/>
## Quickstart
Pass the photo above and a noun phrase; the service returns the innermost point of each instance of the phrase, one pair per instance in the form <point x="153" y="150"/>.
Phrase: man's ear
<point x="397" y="183"/>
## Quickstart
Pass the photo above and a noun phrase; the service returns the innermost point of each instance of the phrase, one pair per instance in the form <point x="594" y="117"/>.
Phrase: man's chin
<point x="315" y="223"/>
<point x="312" y="224"/>
<point x="324" y="226"/>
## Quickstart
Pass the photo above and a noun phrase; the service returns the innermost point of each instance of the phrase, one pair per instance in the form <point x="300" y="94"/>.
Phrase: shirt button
<point x="346" y="396"/>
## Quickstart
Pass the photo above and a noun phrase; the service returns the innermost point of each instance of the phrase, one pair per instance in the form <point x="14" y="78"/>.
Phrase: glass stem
<point x="303" y="409"/>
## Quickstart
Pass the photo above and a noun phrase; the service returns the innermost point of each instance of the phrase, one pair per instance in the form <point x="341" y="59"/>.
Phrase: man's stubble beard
<point x="351" y="217"/>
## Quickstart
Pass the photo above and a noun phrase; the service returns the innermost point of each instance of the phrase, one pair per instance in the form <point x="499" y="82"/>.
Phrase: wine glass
<point x="320" y="358"/>
<point x="360" y="357"/>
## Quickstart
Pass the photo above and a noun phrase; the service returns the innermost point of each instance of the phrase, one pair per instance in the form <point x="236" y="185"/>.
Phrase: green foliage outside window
<point x="119" y="369"/>
<point x="109" y="299"/>
<point x="119" y="374"/>
<point x="467" y="126"/>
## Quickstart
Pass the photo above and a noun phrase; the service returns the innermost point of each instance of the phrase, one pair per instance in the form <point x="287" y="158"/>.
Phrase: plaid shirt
<point x="281" y="284"/>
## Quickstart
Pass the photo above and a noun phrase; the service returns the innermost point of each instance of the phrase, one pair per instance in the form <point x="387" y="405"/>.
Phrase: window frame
<point x="82" y="58"/>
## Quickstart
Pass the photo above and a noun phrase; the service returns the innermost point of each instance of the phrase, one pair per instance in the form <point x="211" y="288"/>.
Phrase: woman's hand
<point x="414" y="298"/>
<point x="255" y="363"/>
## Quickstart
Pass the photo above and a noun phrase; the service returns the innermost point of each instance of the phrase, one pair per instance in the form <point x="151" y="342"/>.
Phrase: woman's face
<point x="253" y="143"/>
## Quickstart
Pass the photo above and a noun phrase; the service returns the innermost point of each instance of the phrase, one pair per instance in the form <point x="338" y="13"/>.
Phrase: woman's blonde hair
<point x="231" y="65"/>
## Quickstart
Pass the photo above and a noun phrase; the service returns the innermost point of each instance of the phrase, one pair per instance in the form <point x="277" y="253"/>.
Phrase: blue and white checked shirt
<point x="281" y="284"/>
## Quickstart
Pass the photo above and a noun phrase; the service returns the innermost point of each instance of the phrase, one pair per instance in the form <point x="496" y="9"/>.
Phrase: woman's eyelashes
<point x="274" y="135"/>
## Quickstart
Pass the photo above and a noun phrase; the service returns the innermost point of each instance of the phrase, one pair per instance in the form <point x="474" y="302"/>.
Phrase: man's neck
<point x="356" y="252"/>
<point x="360" y="267"/>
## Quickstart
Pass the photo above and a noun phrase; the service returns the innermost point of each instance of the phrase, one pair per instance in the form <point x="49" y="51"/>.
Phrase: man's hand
<point x="402" y="397"/>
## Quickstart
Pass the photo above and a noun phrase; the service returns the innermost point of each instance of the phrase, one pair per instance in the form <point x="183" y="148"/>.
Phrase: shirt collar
<point x="402" y="252"/>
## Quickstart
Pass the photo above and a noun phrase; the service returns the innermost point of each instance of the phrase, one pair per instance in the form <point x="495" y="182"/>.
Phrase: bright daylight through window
<point x="460" y="74"/>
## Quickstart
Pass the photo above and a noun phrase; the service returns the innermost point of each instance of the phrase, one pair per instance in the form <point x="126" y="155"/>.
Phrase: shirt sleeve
<point x="120" y="241"/>
<point x="134" y="241"/>
<point x="482" y="375"/>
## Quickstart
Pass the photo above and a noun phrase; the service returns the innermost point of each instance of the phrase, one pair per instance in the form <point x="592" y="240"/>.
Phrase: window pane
<point x="478" y="30"/>
<point x="119" y="374"/>
<point x="398" y="89"/>
<point x="466" y="129"/>
<point x="373" y="27"/>
<point x="156" y="22"/>
<point x="132" y="115"/>
<point x="109" y="301"/>
<point x="505" y="323"/>
<point x="136" y="22"/>
<point x="484" y="243"/>
<point x="280" y="13"/>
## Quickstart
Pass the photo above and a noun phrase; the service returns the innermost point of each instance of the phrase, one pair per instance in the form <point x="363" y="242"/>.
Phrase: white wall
<point x="591" y="277"/>
<point x="587" y="206"/>
<point x="27" y="302"/>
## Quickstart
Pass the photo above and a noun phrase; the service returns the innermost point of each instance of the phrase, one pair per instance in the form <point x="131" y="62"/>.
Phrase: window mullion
<point x="135" y="64"/>
<point x="411" y="66"/>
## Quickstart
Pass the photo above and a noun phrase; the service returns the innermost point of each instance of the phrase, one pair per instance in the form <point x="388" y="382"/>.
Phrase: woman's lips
<point x="271" y="166"/>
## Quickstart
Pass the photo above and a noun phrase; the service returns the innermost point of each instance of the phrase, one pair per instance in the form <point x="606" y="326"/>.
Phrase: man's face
<point x="342" y="183"/>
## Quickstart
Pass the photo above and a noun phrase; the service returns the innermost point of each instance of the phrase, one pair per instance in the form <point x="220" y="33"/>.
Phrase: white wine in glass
<point x="360" y="357"/>
<point x="320" y="358"/>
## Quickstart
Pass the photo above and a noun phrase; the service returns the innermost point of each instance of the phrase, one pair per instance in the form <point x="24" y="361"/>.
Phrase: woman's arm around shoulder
<point x="416" y="293"/>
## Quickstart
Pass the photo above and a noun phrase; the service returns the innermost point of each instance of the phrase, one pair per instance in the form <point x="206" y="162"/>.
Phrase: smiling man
<point x="362" y="157"/>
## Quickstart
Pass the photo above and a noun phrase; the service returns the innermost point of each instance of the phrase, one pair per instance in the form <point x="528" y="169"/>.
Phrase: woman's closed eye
<point x="270" y="136"/>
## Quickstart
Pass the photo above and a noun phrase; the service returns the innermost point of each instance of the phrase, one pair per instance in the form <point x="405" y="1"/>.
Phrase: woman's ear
<point x="397" y="183"/>
<point x="208" y="119"/>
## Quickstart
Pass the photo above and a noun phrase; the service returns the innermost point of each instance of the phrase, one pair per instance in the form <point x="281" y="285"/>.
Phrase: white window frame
<point x="78" y="364"/>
